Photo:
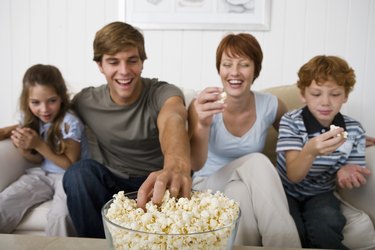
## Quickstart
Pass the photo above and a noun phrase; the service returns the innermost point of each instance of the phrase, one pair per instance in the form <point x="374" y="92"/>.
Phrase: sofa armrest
<point x="12" y="164"/>
<point x="363" y="197"/>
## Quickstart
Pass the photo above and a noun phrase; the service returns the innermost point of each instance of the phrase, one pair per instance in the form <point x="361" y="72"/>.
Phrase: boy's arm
<point x="298" y="163"/>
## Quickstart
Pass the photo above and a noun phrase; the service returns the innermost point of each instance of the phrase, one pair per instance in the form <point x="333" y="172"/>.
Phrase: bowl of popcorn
<point x="206" y="220"/>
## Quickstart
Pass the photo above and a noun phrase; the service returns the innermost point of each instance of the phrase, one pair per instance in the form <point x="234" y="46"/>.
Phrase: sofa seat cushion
<point x="35" y="219"/>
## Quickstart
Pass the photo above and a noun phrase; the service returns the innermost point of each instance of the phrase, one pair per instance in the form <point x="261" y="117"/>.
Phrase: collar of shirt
<point x="313" y="126"/>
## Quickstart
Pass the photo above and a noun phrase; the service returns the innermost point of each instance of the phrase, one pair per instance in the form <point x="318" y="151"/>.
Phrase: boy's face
<point x="324" y="100"/>
<point x="123" y="72"/>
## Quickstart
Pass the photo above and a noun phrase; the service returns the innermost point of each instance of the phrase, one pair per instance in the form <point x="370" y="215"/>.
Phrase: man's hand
<point x="350" y="176"/>
<point x="370" y="141"/>
<point x="154" y="187"/>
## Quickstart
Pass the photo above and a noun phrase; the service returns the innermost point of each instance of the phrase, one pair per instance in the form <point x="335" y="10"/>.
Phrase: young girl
<point x="48" y="135"/>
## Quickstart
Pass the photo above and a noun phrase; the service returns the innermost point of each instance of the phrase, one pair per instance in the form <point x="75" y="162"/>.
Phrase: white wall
<point x="61" y="32"/>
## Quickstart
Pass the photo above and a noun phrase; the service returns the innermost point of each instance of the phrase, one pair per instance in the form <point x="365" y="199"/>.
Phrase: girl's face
<point x="324" y="100"/>
<point x="123" y="72"/>
<point x="237" y="74"/>
<point x="44" y="102"/>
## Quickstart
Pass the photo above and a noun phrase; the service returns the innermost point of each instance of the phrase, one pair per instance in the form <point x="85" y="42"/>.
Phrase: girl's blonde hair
<point x="47" y="76"/>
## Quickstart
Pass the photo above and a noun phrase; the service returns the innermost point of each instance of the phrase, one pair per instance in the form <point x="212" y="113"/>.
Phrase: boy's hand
<point x="325" y="143"/>
<point x="350" y="176"/>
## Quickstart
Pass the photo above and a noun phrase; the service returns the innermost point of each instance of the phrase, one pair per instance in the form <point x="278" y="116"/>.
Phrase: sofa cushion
<point x="35" y="219"/>
<point x="12" y="167"/>
<point x="289" y="94"/>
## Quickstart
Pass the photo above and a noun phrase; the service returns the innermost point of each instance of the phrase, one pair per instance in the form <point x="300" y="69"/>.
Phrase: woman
<point x="226" y="138"/>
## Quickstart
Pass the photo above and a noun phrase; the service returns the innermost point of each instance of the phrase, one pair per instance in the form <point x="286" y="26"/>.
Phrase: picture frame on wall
<point x="198" y="14"/>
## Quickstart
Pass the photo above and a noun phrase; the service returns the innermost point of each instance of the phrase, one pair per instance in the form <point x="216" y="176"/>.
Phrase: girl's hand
<point x="206" y="105"/>
<point x="26" y="138"/>
<point x="350" y="176"/>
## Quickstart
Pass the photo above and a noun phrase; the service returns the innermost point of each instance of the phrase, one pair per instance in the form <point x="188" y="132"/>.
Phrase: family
<point x="140" y="127"/>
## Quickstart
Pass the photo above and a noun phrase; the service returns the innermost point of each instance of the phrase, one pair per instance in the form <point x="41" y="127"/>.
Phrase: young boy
<point x="313" y="155"/>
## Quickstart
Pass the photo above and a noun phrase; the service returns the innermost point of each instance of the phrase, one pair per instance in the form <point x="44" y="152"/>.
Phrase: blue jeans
<point x="319" y="221"/>
<point x="88" y="186"/>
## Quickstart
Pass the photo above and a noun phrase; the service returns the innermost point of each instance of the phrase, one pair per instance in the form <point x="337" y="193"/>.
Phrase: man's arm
<point x="6" y="132"/>
<point x="174" y="140"/>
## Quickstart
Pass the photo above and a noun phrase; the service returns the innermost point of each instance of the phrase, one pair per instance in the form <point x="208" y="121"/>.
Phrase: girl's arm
<point x="30" y="139"/>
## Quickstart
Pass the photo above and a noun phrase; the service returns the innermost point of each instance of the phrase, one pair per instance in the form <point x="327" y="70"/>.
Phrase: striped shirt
<point x="296" y="128"/>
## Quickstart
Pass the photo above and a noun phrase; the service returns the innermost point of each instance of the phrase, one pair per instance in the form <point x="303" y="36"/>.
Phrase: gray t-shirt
<point x="128" y="137"/>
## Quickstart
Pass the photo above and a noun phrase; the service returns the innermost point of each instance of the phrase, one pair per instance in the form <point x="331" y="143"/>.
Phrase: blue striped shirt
<point x="321" y="177"/>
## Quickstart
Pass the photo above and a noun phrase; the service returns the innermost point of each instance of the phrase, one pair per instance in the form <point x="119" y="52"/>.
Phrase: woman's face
<point x="236" y="73"/>
<point x="44" y="102"/>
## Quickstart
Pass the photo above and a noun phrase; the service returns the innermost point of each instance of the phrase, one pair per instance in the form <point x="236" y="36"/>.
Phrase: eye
<point x="336" y="94"/>
<point x="34" y="102"/>
<point x="112" y="62"/>
<point x="54" y="100"/>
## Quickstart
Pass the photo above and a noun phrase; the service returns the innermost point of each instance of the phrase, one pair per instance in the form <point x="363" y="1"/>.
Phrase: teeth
<point x="235" y="81"/>
<point x="123" y="81"/>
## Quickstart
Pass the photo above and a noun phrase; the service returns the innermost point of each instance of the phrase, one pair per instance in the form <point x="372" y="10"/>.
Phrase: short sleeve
<point x="290" y="135"/>
<point x="72" y="128"/>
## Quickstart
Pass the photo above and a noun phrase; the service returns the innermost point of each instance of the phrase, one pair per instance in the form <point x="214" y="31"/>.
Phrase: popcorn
<point x="343" y="134"/>
<point x="223" y="97"/>
<point x="205" y="221"/>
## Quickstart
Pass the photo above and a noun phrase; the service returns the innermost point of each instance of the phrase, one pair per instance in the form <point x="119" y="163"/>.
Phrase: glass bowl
<point x="120" y="237"/>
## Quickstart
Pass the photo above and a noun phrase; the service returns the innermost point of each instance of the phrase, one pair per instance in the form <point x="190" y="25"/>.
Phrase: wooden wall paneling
<point x="294" y="39"/>
<point x="192" y="60"/>
<point x="209" y="75"/>
<point x="57" y="33"/>
<point x="315" y="29"/>
<point x="39" y="35"/>
<point x="152" y="67"/>
<point x="357" y="53"/>
<point x="171" y="57"/>
<point x="273" y="46"/>
<point x="20" y="46"/>
<point x="8" y="101"/>
<point x="337" y="27"/>
<point x="367" y="95"/>
<point x="95" y="20"/>
<point x="77" y="43"/>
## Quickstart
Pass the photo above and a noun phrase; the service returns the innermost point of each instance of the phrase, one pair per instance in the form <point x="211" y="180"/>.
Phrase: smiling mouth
<point x="124" y="82"/>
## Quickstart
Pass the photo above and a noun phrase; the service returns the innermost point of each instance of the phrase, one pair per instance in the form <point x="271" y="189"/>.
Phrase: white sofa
<point x="12" y="166"/>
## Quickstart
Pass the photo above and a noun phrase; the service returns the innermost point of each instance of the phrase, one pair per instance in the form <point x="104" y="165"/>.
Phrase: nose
<point x="325" y="100"/>
<point x="234" y="70"/>
<point x="123" y="69"/>
<point x="44" y="107"/>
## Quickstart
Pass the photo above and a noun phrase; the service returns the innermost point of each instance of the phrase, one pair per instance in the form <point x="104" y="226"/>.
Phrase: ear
<point x="346" y="98"/>
<point x="302" y="96"/>
<point x="100" y="66"/>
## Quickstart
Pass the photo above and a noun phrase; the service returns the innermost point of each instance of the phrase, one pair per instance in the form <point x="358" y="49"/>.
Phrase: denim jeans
<point x="88" y="186"/>
<point x="319" y="221"/>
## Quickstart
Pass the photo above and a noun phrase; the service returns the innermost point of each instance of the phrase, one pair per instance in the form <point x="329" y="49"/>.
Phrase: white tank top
<point x="223" y="147"/>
